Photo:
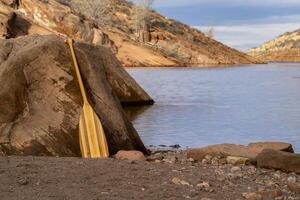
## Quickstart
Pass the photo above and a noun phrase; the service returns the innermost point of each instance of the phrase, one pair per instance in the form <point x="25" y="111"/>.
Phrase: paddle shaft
<point x="84" y="97"/>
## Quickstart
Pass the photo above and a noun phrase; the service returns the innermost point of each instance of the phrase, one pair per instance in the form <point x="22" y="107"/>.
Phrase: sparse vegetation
<point x="93" y="9"/>
<point x="141" y="16"/>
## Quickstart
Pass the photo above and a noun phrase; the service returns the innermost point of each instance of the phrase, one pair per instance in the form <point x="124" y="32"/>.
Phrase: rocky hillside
<point x="165" y="42"/>
<point x="285" y="48"/>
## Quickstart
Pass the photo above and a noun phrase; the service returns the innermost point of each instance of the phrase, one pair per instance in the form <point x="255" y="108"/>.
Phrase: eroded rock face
<point x="52" y="17"/>
<point x="41" y="101"/>
<point x="6" y="17"/>
<point x="11" y="3"/>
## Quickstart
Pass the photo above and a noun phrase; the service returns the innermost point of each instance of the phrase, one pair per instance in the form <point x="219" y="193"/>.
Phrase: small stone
<point x="271" y="194"/>
<point x="23" y="181"/>
<point x="222" y="161"/>
<point x="170" y="160"/>
<point x="292" y="179"/>
<point x="208" y="157"/>
<point x="204" y="161"/>
<point x="236" y="170"/>
<point x="252" y="170"/>
<point x="203" y="185"/>
<point x="130" y="155"/>
<point x="252" y="196"/>
<point x="269" y="183"/>
<point x="236" y="160"/>
<point x="293" y="185"/>
<point x="276" y="175"/>
<point x="279" y="198"/>
<point x="178" y="181"/>
<point x="176" y="146"/>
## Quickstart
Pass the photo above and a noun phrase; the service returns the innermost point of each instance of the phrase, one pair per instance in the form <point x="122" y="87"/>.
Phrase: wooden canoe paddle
<point x="92" y="138"/>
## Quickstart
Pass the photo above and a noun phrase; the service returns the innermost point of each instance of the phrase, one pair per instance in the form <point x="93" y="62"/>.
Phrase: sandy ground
<point x="41" y="178"/>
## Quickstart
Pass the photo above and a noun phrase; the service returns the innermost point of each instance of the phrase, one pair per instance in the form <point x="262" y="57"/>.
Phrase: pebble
<point x="293" y="185"/>
<point x="235" y="170"/>
<point x="252" y="196"/>
<point x="178" y="181"/>
<point x="234" y="174"/>
<point x="205" y="186"/>
<point x="23" y="181"/>
<point x="236" y="160"/>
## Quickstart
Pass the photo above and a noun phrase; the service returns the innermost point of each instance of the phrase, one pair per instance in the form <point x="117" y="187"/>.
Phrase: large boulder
<point x="224" y="149"/>
<point x="274" y="159"/>
<point x="40" y="101"/>
<point x="258" y="147"/>
<point x="250" y="151"/>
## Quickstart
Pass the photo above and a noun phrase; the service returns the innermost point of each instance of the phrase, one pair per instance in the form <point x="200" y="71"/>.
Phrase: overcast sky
<point x="241" y="24"/>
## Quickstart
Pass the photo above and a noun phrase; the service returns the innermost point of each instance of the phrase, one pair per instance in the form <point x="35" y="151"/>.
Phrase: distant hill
<point x="164" y="42"/>
<point x="284" y="48"/>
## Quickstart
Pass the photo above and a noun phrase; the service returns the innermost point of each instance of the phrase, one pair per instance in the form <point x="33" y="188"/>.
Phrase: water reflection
<point x="133" y="112"/>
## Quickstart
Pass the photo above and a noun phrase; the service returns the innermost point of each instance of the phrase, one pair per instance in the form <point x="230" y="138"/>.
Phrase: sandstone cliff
<point x="165" y="43"/>
<point x="285" y="48"/>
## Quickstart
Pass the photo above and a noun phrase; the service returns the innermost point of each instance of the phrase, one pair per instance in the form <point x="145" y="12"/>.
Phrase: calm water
<point x="202" y="106"/>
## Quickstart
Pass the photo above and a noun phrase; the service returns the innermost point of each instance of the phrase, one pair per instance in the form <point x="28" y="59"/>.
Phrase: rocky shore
<point x="165" y="174"/>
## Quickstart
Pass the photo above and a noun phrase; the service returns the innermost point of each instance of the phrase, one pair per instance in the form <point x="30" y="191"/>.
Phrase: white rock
<point x="252" y="196"/>
<point x="236" y="160"/>
<point x="178" y="181"/>
<point x="235" y="170"/>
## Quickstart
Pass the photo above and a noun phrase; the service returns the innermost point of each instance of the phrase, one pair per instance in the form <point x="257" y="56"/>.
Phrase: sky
<point x="241" y="24"/>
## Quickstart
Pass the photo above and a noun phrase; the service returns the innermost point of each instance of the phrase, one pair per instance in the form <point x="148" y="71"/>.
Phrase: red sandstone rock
<point x="280" y="146"/>
<point x="273" y="159"/>
<point x="130" y="155"/>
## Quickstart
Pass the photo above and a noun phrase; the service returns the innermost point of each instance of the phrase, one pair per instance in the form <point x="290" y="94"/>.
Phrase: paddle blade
<point x="92" y="138"/>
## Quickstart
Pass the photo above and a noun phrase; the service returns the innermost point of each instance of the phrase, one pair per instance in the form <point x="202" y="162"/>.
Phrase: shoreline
<point x="169" y="176"/>
<point x="197" y="66"/>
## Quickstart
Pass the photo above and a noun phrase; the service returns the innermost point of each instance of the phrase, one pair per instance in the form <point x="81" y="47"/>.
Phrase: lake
<point x="196" y="107"/>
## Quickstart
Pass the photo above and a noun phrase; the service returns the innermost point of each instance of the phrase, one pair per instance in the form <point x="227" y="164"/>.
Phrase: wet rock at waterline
<point x="250" y="151"/>
<point x="41" y="102"/>
<point x="279" y="160"/>
<point x="280" y="146"/>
